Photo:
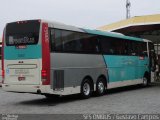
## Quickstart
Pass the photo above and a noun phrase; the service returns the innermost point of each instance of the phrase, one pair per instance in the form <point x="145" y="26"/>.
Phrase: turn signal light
<point x="44" y="75"/>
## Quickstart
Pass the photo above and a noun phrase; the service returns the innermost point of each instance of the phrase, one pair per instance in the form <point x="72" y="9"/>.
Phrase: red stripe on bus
<point x="2" y="53"/>
<point x="45" y="55"/>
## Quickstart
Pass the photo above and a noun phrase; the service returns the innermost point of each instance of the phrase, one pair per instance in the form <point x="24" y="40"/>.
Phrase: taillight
<point x="44" y="75"/>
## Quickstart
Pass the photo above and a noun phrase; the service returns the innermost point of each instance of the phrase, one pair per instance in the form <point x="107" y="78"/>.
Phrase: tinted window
<point x="142" y="49"/>
<point x="116" y="46"/>
<point x="132" y="48"/>
<point x="113" y="46"/>
<point x="22" y="33"/>
<point x="76" y="42"/>
<point x="73" y="42"/>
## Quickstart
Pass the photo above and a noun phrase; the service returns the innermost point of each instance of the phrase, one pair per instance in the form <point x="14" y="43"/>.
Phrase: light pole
<point x="128" y="6"/>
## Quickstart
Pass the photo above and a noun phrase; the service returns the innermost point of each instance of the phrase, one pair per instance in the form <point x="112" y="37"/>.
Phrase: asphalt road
<point x="135" y="99"/>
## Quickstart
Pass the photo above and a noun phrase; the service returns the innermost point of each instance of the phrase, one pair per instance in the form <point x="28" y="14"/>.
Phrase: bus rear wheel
<point x="86" y="89"/>
<point x="100" y="86"/>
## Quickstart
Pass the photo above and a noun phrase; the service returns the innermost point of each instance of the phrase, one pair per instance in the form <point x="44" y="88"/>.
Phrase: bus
<point x="51" y="58"/>
<point x="0" y="63"/>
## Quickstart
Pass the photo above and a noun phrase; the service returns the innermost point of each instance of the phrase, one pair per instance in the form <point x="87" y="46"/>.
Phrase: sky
<point x="82" y="13"/>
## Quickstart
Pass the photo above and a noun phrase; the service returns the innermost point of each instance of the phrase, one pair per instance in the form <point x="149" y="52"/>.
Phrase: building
<point x="147" y="27"/>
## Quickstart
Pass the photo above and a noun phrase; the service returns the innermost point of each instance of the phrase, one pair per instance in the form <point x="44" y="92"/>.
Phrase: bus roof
<point x="96" y="32"/>
<point x="104" y="33"/>
<point x="59" y="25"/>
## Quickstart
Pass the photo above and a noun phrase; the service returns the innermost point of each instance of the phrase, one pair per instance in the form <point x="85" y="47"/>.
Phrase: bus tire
<point x="100" y="86"/>
<point x="145" y="81"/>
<point x="86" y="88"/>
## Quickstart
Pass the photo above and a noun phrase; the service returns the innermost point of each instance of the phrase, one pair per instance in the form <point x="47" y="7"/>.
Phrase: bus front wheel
<point x="145" y="81"/>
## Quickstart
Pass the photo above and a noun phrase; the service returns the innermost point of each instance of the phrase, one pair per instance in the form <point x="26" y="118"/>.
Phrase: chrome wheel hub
<point x="86" y="89"/>
<point x="101" y="87"/>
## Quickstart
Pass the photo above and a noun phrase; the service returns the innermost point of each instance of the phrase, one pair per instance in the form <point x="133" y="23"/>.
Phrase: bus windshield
<point x="22" y="33"/>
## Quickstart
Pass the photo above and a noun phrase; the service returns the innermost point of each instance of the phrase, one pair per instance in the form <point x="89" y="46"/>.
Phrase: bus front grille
<point x="58" y="81"/>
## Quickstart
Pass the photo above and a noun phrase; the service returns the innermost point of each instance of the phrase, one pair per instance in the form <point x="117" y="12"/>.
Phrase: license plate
<point x="21" y="78"/>
<point x="21" y="71"/>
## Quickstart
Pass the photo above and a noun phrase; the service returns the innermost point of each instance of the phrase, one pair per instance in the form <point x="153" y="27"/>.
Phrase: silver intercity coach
<point x="51" y="58"/>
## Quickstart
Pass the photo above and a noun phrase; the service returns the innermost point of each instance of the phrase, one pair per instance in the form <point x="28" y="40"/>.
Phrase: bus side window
<point x="131" y="51"/>
<point x="73" y="42"/>
<point x="89" y="44"/>
<point x="112" y="46"/>
<point x="105" y="45"/>
<point x="108" y="46"/>
<point x="142" y="49"/>
<point x="56" y="40"/>
<point x="51" y="39"/>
